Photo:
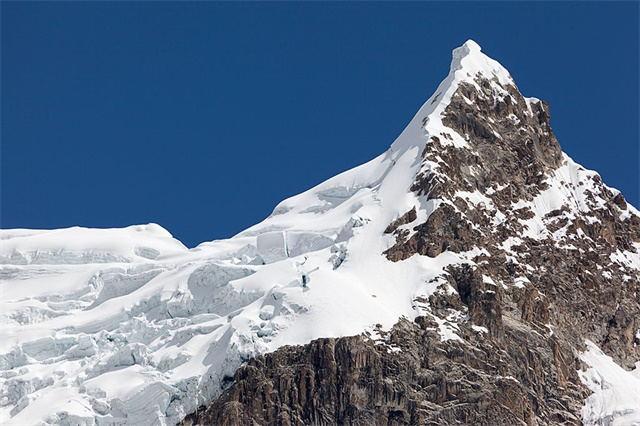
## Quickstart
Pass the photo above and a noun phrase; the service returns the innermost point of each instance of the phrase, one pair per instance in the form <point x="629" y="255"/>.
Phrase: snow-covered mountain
<point x="473" y="220"/>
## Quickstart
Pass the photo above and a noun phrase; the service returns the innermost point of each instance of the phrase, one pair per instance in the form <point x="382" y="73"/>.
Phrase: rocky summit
<point x="471" y="274"/>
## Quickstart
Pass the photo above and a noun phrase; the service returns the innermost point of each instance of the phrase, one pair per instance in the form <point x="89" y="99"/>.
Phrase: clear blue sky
<point x="203" y="116"/>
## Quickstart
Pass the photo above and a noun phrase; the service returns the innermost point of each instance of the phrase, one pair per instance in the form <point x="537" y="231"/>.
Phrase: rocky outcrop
<point x="406" y="218"/>
<point x="451" y="230"/>
<point x="408" y="376"/>
<point x="577" y="282"/>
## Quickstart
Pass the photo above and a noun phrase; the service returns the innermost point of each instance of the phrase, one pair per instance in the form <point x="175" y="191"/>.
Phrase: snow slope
<point x="128" y="326"/>
<point x="616" y="392"/>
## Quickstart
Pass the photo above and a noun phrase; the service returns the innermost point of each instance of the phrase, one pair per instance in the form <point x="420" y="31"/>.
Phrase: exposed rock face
<point x="407" y="377"/>
<point x="578" y="283"/>
<point x="550" y="270"/>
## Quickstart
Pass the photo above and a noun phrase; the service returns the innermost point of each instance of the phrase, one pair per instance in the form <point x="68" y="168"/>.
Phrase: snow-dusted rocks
<point x="474" y="228"/>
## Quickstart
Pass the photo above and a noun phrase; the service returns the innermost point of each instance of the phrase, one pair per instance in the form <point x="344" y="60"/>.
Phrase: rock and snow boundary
<point x="127" y="326"/>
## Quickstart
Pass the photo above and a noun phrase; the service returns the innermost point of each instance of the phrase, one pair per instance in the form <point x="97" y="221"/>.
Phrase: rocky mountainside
<point x="554" y="274"/>
<point x="471" y="274"/>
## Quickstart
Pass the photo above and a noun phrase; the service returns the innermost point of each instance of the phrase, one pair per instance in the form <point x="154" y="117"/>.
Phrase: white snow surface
<point x="81" y="245"/>
<point x="616" y="392"/>
<point x="127" y="326"/>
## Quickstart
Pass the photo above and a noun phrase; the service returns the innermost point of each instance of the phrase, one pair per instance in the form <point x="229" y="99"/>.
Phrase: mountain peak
<point x="469" y="59"/>
<point x="467" y="64"/>
<point x="468" y="47"/>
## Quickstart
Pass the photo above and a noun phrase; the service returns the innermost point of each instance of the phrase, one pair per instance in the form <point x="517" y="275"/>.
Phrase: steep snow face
<point x="128" y="326"/>
<point x="616" y="391"/>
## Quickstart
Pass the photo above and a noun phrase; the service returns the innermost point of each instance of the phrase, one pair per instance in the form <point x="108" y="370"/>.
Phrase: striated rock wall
<point x="408" y="376"/>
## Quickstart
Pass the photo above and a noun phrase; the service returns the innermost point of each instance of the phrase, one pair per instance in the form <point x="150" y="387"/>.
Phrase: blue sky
<point x="203" y="116"/>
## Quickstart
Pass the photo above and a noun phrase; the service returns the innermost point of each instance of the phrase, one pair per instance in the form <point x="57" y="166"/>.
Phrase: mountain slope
<point x="510" y="266"/>
<point x="549" y="265"/>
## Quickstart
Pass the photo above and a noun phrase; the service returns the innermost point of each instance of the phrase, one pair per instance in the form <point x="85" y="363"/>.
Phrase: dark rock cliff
<point x="409" y="377"/>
